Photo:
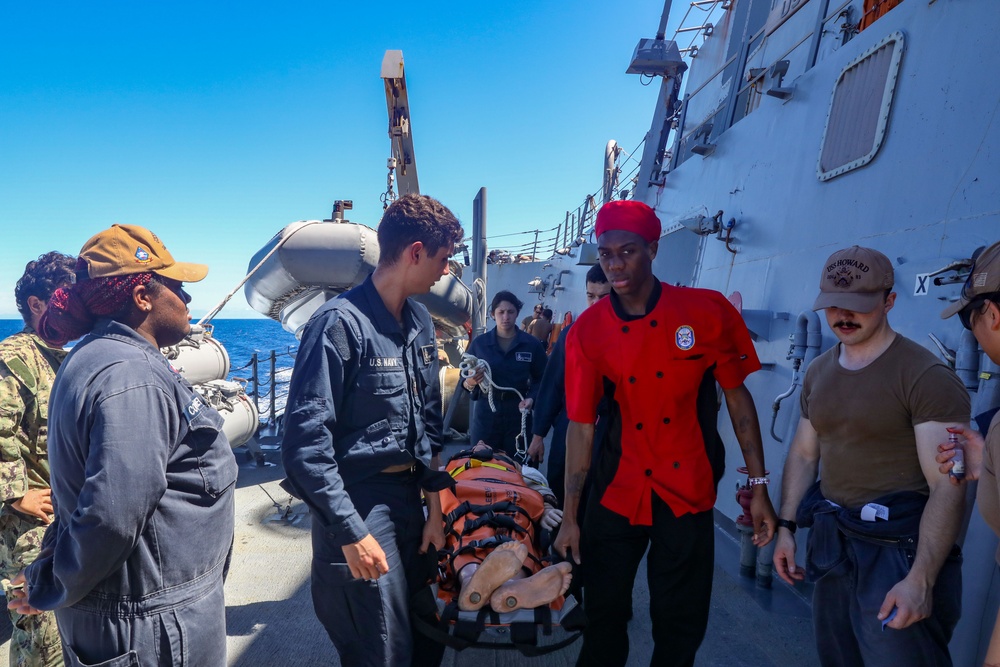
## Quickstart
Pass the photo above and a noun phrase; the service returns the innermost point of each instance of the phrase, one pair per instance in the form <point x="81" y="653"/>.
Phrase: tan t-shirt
<point x="540" y="328"/>
<point x="865" y="419"/>
<point x="988" y="495"/>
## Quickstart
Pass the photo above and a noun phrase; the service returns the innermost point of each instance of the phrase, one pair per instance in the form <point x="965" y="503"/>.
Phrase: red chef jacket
<point x="657" y="363"/>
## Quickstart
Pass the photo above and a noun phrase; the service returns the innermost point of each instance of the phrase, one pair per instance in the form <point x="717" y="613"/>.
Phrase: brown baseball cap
<point x="854" y="279"/>
<point x="984" y="278"/>
<point x="127" y="249"/>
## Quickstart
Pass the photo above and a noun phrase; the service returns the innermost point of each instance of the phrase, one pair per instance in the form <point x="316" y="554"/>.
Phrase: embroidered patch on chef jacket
<point x="684" y="337"/>
<point x="427" y="353"/>
<point x="523" y="356"/>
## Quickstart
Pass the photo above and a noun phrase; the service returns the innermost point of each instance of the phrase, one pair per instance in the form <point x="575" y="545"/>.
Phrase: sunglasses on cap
<point x="976" y="306"/>
<point x="967" y="287"/>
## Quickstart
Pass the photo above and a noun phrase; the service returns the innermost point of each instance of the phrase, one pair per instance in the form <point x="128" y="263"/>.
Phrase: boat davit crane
<point x="397" y="103"/>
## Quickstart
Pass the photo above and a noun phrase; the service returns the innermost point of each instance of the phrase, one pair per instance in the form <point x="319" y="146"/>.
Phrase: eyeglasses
<point x="976" y="305"/>
<point x="175" y="286"/>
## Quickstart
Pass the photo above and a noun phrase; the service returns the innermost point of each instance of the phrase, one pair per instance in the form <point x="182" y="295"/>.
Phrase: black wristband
<point x="790" y="525"/>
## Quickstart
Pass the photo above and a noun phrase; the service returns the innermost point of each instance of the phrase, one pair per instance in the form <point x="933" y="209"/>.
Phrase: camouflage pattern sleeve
<point x="13" y="474"/>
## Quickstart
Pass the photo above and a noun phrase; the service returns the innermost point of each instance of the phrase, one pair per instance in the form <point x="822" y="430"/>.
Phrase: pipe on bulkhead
<point x="805" y="345"/>
<point x="986" y="402"/>
<point x="557" y="284"/>
<point x="808" y="321"/>
<point x="967" y="361"/>
<point x="988" y="396"/>
<point x="744" y="524"/>
<point x="776" y="406"/>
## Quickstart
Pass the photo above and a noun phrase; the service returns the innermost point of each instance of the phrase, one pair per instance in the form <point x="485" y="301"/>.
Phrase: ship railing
<point x="576" y="228"/>
<point x="266" y="382"/>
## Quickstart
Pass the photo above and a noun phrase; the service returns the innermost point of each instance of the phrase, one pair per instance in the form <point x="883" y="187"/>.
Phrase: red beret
<point x="628" y="216"/>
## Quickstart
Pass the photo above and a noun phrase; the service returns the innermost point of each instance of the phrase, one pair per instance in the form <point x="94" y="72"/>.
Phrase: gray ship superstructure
<point x="784" y="133"/>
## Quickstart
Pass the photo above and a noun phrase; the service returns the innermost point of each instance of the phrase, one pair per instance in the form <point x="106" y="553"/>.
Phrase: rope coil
<point x="469" y="367"/>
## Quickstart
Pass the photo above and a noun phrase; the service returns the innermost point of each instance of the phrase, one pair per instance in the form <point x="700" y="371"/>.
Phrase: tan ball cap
<point x="984" y="278"/>
<point x="127" y="249"/>
<point x="854" y="279"/>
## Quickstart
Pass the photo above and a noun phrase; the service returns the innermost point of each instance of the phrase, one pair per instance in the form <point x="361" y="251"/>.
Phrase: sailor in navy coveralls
<point x="517" y="361"/>
<point x="143" y="478"/>
<point x="362" y="424"/>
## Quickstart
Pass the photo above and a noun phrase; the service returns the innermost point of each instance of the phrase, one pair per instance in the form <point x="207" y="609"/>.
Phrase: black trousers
<point x="679" y="569"/>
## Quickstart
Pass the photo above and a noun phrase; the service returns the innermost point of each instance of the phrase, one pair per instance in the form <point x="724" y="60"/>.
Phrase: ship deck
<point x="270" y="619"/>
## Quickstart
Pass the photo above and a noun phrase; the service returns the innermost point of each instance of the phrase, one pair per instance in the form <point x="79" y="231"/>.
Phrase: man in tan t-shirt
<point x="526" y="322"/>
<point x="874" y="408"/>
<point x="978" y="307"/>
<point x="541" y="327"/>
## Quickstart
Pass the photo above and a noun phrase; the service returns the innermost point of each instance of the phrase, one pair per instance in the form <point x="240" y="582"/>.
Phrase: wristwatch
<point x="790" y="525"/>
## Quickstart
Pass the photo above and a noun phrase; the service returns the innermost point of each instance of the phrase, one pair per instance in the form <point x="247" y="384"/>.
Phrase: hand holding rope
<point x="470" y="368"/>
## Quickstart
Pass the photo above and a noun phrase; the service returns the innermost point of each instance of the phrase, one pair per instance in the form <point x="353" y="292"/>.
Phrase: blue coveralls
<point x="365" y="396"/>
<point x="520" y="367"/>
<point x="142" y="482"/>
<point x="550" y="413"/>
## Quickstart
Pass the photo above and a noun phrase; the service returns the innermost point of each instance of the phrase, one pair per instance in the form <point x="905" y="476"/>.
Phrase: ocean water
<point x="241" y="338"/>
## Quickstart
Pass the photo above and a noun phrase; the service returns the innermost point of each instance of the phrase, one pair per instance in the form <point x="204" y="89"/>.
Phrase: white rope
<point x="215" y="311"/>
<point x="469" y="367"/>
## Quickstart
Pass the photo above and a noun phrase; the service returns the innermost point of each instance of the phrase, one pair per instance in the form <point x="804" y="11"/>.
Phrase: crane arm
<point x="400" y="132"/>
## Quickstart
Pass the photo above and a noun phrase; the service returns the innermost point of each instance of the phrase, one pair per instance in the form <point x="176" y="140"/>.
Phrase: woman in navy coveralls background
<point x="517" y="360"/>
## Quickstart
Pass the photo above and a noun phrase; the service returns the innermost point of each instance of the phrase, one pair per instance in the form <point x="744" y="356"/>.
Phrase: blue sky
<point x="217" y="124"/>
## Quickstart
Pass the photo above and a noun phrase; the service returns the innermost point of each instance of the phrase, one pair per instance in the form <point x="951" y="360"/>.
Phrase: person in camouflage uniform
<point x="27" y="369"/>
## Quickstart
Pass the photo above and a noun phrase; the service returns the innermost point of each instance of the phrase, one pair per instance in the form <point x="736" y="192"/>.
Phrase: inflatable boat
<point x="311" y="261"/>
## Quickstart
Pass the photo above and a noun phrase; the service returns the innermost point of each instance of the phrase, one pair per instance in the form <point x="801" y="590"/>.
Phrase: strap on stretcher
<point x="460" y="632"/>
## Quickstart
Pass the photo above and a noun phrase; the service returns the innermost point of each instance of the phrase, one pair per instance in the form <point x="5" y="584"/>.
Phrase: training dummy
<point x="492" y="522"/>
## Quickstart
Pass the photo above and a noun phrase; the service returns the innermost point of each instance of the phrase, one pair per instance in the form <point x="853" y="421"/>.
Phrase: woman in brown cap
<point x="142" y="476"/>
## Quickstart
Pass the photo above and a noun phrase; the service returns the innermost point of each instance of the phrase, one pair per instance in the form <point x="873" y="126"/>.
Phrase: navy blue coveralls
<point x="550" y="413"/>
<point x="520" y="367"/>
<point x="142" y="483"/>
<point x="365" y="396"/>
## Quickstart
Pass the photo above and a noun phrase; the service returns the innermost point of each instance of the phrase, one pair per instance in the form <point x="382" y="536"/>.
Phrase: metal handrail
<point x="259" y="386"/>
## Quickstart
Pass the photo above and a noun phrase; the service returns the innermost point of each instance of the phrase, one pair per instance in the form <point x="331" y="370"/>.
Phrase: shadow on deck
<point x="270" y="618"/>
<point x="271" y="622"/>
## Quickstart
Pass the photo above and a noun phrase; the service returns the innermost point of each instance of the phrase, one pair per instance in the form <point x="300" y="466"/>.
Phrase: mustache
<point x="847" y="325"/>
